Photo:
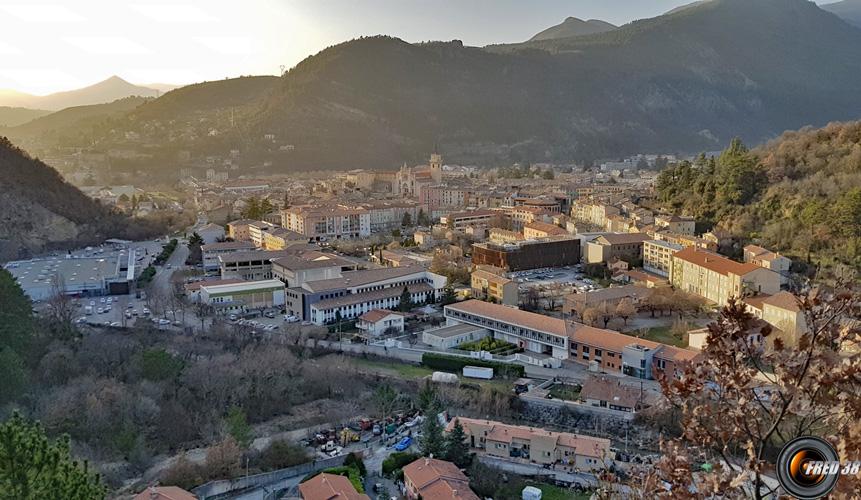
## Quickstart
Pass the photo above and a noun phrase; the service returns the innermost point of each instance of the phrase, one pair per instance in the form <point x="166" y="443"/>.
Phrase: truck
<point x="478" y="372"/>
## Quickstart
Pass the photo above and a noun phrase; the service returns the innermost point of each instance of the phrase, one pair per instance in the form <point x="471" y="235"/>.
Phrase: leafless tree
<point x="742" y="402"/>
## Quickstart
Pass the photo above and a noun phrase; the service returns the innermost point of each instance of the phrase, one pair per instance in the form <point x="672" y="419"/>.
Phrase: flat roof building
<point x="85" y="276"/>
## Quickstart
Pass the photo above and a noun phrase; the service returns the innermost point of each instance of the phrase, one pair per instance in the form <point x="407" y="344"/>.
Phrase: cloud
<point x="180" y="13"/>
<point x="116" y="45"/>
<point x="43" y="13"/>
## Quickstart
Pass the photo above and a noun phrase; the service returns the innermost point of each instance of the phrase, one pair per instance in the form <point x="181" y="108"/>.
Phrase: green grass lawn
<point x="661" y="334"/>
<point x="565" y="391"/>
<point x="550" y="492"/>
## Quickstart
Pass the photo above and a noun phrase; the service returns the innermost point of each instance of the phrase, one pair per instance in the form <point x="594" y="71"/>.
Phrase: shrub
<point x="282" y="454"/>
<point x="397" y="461"/>
<point x="456" y="364"/>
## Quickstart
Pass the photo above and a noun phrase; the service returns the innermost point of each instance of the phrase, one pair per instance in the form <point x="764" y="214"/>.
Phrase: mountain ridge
<point x="678" y="83"/>
<point x="105" y="91"/>
<point x="573" y="26"/>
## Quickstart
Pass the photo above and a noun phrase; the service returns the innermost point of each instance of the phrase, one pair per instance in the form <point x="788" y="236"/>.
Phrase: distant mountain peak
<point x="848" y="10"/>
<point x="574" y="26"/>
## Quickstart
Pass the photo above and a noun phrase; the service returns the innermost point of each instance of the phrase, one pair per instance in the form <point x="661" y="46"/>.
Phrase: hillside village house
<point x="677" y="224"/>
<point x="783" y="312"/>
<point x="432" y="479"/>
<point x="327" y="486"/>
<point x="534" y="444"/>
<point x="769" y="260"/>
<point x="377" y="322"/>
<point x="535" y="230"/>
<point x="238" y="230"/>
<point x="717" y="278"/>
<point x="327" y="222"/>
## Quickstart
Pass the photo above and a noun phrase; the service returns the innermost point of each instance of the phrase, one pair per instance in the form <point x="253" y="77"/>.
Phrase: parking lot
<point x="569" y="276"/>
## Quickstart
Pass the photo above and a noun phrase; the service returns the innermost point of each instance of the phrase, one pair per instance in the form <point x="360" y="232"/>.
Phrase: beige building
<point x="503" y="236"/>
<point x="330" y="222"/>
<point x="535" y="444"/>
<point x="677" y="224"/>
<point x="717" y="278"/>
<point x="258" y="230"/>
<point x="625" y="246"/>
<point x="536" y="230"/>
<point x="494" y="287"/>
<point x="593" y="213"/>
<point x="280" y="238"/>
<point x="658" y="256"/>
<point x="769" y="260"/>
<point x="238" y="230"/>
<point x="782" y="311"/>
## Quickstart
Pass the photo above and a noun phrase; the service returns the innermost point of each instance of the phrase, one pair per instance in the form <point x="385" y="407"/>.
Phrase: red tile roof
<point x="436" y="479"/>
<point x="714" y="262"/>
<point x="375" y="315"/>
<point x="164" y="493"/>
<point x="326" y="486"/>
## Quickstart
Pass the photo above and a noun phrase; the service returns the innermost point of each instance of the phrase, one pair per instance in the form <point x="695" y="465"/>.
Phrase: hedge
<point x="456" y="364"/>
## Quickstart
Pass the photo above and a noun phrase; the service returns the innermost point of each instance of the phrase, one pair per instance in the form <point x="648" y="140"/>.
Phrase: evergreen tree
<point x="407" y="221"/>
<point x="448" y="295"/>
<point x="33" y="468"/>
<point x="432" y="441"/>
<point x="16" y="333"/>
<point x="427" y="397"/>
<point x="237" y="426"/>
<point x="406" y="303"/>
<point x="457" y="446"/>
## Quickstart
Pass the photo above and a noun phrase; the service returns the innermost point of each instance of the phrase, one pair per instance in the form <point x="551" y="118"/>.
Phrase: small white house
<point x="376" y="321"/>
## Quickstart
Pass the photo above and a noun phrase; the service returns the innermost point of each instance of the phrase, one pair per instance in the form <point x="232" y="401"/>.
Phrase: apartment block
<point x="212" y="251"/>
<point x="554" y="251"/>
<point x="658" y="256"/>
<point x="460" y="220"/>
<point x="494" y="287"/>
<point x="535" y="444"/>
<point x="322" y="223"/>
<point x="717" y="278"/>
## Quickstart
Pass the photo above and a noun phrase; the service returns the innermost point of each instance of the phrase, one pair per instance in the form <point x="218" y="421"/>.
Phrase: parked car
<point x="404" y="443"/>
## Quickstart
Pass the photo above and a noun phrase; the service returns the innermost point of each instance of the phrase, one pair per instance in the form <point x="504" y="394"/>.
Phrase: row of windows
<point x="508" y="328"/>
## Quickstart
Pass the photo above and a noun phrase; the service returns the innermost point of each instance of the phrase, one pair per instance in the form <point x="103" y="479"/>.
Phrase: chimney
<point x="153" y="493"/>
<point x="427" y="459"/>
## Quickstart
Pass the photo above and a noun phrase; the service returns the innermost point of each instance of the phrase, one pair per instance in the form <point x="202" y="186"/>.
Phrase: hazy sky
<point x="46" y="46"/>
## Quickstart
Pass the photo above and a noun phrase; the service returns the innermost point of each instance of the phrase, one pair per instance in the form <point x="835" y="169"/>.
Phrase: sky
<point x="53" y="45"/>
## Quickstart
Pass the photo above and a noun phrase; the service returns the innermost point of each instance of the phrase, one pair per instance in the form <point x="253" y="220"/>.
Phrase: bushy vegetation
<point x="456" y="364"/>
<point x="491" y="345"/>
<point x="799" y="194"/>
<point x="166" y="251"/>
<point x="397" y="461"/>
<point x="146" y="276"/>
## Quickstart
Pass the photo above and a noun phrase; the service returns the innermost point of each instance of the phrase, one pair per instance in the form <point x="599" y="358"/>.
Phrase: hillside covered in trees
<point x="799" y="194"/>
<point x="688" y="80"/>
<point x="39" y="210"/>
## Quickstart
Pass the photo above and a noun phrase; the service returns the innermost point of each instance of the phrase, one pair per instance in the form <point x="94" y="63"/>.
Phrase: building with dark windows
<point x="553" y="251"/>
